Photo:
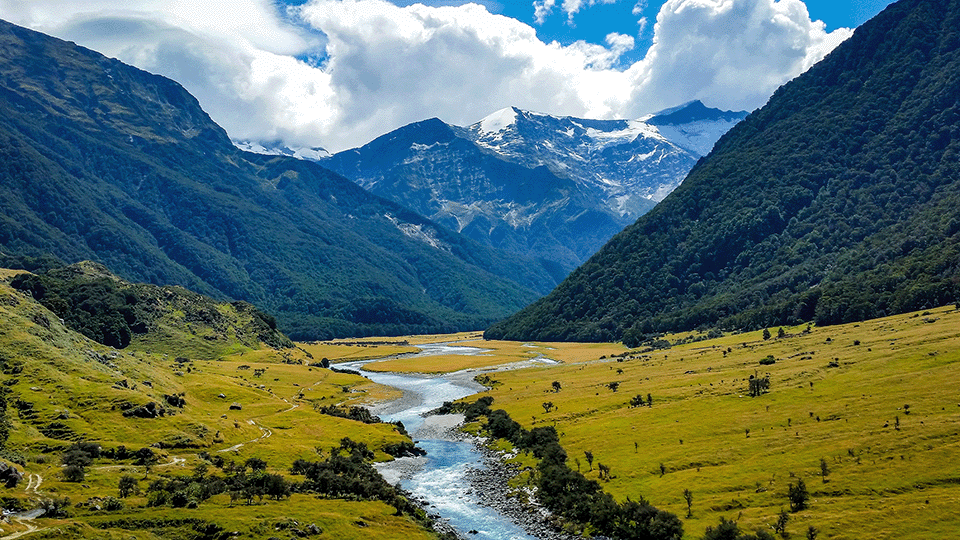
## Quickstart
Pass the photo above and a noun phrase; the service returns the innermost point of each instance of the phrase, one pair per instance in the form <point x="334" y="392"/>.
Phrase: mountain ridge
<point x="547" y="187"/>
<point x="835" y="202"/>
<point x="106" y="162"/>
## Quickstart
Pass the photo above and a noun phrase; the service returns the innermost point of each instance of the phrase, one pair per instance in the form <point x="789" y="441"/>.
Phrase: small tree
<point x="688" y="496"/>
<point x="758" y="385"/>
<point x="824" y="470"/>
<point x="589" y="456"/>
<point x="613" y="386"/>
<point x="547" y="406"/>
<point x="255" y="464"/>
<point x="74" y="473"/>
<point x="780" y="527"/>
<point x="128" y="486"/>
<point x="147" y="459"/>
<point x="277" y="487"/>
<point x="780" y="333"/>
<point x="556" y="386"/>
<point x="766" y="333"/>
<point x="649" y="400"/>
<point x="798" y="495"/>
<point x="812" y="533"/>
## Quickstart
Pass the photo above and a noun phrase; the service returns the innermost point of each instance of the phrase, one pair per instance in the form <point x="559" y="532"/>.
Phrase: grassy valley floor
<point x="875" y="405"/>
<point x="867" y="415"/>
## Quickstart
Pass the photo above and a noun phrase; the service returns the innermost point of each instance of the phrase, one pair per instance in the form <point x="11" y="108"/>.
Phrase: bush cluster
<point x="569" y="494"/>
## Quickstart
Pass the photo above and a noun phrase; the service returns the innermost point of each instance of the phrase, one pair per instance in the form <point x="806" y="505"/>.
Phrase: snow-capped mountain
<point x="553" y="187"/>
<point x="694" y="126"/>
<point x="277" y="148"/>
<point x="626" y="159"/>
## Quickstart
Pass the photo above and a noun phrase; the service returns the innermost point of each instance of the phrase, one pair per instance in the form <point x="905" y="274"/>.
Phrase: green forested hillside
<point x="837" y="201"/>
<point x="101" y="161"/>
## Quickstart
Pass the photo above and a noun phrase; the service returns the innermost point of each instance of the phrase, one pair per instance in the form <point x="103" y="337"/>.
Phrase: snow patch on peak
<point x="277" y="148"/>
<point x="698" y="137"/>
<point x="498" y="121"/>
<point x="634" y="129"/>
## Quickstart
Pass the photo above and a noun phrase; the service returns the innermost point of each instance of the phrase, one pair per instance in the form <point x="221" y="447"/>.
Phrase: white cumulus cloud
<point x="733" y="53"/>
<point x="339" y="73"/>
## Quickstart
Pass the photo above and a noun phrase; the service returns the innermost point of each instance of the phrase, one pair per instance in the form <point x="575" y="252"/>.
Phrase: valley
<point x="693" y="325"/>
<point x="870" y="403"/>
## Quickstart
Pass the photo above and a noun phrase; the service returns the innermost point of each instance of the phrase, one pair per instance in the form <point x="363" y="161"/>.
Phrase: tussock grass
<point x="836" y="393"/>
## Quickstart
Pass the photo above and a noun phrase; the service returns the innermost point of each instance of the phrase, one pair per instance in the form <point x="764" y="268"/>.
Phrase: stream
<point x="442" y="477"/>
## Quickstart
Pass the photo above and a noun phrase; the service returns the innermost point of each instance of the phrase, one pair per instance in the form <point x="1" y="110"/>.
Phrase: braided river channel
<point x="442" y="478"/>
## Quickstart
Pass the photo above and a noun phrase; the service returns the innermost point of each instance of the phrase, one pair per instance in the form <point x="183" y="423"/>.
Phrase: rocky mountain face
<point x="101" y="161"/>
<point x="835" y="202"/>
<point x="552" y="188"/>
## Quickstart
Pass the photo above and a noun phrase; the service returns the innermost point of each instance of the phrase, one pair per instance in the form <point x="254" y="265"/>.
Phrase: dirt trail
<point x="33" y="483"/>
<point x="25" y="518"/>
<point x="265" y="433"/>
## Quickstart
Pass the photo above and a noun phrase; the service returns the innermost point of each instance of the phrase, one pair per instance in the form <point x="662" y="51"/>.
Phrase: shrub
<point x="178" y="499"/>
<point x="158" y="498"/>
<point x="112" y="504"/>
<point x="56" y="507"/>
<point x="128" y="486"/>
<point x="73" y="473"/>
<point x="798" y="496"/>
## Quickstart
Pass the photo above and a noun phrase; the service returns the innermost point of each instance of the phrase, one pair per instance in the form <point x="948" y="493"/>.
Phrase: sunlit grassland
<point x="738" y="454"/>
<point x="352" y="351"/>
<point x="357" y="349"/>
<point x="496" y="354"/>
<point x="81" y="387"/>
<point x="358" y="520"/>
<point x="435" y="364"/>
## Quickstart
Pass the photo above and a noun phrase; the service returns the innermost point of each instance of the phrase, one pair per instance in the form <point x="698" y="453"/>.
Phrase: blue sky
<point x="338" y="73"/>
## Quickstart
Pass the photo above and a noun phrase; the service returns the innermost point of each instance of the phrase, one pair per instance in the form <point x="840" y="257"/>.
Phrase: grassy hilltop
<point x="876" y="401"/>
<point x="61" y="388"/>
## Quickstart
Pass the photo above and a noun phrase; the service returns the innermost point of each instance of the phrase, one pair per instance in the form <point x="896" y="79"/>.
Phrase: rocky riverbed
<point x="492" y="483"/>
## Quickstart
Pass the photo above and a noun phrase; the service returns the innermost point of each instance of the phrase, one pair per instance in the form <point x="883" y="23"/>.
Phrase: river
<point x="442" y="477"/>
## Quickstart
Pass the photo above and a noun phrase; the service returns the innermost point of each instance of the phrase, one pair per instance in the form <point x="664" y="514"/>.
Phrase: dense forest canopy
<point x="838" y="201"/>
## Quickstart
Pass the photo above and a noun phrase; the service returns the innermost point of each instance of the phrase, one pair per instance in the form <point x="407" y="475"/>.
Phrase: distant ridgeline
<point x="101" y="161"/>
<point x="838" y="201"/>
